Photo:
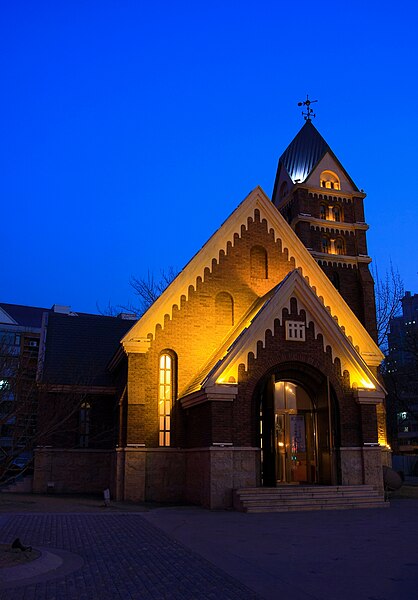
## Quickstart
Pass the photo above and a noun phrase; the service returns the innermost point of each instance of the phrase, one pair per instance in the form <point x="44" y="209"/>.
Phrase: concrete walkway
<point x="190" y="553"/>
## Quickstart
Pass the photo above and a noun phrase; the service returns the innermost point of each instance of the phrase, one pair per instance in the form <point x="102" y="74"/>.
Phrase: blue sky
<point x="131" y="130"/>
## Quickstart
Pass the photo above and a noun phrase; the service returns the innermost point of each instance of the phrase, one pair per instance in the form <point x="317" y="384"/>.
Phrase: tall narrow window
<point x="325" y="244"/>
<point x="84" y="426"/>
<point x="339" y="246"/>
<point x="335" y="278"/>
<point x="323" y="209"/>
<point x="258" y="261"/>
<point x="165" y="397"/>
<point x="224" y="309"/>
<point x="336" y="213"/>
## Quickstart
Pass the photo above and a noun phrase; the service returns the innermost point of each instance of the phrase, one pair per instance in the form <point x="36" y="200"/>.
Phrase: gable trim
<point x="194" y="272"/>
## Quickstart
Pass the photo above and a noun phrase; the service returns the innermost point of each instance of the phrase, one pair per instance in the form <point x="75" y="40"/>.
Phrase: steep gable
<point x="330" y="163"/>
<point x="255" y="206"/>
<point x="294" y="286"/>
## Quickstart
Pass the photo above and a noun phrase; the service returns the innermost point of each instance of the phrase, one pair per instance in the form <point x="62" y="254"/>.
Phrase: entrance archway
<point x="297" y="427"/>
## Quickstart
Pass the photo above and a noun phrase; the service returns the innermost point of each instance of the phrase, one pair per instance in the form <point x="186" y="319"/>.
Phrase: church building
<point x="258" y="365"/>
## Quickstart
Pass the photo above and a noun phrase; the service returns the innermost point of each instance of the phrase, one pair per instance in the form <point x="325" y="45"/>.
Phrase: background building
<point x="401" y="377"/>
<point x="20" y="328"/>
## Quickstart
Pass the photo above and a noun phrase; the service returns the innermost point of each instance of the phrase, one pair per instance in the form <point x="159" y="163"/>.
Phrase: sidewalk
<point x="191" y="553"/>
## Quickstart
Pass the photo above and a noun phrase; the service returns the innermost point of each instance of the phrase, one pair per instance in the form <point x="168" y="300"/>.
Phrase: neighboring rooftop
<point x="79" y="348"/>
<point x="24" y="316"/>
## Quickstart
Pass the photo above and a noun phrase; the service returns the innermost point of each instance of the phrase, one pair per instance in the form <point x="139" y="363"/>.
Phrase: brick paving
<point x="125" y="557"/>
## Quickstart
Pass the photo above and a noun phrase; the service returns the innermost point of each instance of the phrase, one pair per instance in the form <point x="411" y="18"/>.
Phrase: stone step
<point x="307" y="498"/>
<point x="310" y="501"/>
<point x="293" y="498"/>
<point x="291" y="489"/>
<point x="311" y="507"/>
<point x="20" y="485"/>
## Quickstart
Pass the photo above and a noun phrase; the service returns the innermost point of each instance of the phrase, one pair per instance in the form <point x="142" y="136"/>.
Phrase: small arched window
<point x="84" y="424"/>
<point x="323" y="209"/>
<point x="259" y="262"/>
<point x="284" y="188"/>
<point x="339" y="246"/>
<point x="329" y="180"/>
<point x="336" y="213"/>
<point x="335" y="278"/>
<point x="224" y="309"/>
<point x="166" y="384"/>
<point x="324" y="244"/>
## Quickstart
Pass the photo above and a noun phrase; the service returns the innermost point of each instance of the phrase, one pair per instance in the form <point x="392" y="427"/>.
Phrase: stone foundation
<point x="71" y="471"/>
<point x="363" y="465"/>
<point x="203" y="476"/>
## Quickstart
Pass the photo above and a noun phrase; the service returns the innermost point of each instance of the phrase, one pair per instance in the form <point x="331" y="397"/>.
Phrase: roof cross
<point x="309" y="111"/>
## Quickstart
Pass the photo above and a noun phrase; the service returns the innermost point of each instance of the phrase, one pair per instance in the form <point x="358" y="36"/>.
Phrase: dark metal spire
<point x="309" y="111"/>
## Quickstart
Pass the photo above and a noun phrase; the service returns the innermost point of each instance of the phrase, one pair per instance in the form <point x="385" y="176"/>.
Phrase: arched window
<point x="284" y="189"/>
<point x="224" y="309"/>
<point x="329" y="180"/>
<point x="166" y="384"/>
<point x="339" y="246"/>
<point x="258" y="262"/>
<point x="84" y="425"/>
<point x="323" y="209"/>
<point x="335" y="278"/>
<point x="324" y="244"/>
<point x="336" y="213"/>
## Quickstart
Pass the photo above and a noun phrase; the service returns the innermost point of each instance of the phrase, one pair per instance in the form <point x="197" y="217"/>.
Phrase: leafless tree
<point x="389" y="292"/>
<point x="146" y="289"/>
<point x="33" y="412"/>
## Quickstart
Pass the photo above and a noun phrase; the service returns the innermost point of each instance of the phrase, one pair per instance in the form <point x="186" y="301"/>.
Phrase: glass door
<point x="295" y="434"/>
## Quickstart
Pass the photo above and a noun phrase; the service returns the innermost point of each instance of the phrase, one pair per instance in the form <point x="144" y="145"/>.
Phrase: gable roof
<point x="24" y="316"/>
<point x="303" y="154"/>
<point x="293" y="286"/>
<point x="79" y="348"/>
<point x="139" y="337"/>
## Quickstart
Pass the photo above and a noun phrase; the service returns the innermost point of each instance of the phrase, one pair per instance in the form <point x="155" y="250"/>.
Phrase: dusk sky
<point x="131" y="130"/>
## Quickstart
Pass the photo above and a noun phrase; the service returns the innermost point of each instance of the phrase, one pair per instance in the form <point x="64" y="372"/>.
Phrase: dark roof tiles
<point x="304" y="152"/>
<point x="79" y="348"/>
<point x="25" y="316"/>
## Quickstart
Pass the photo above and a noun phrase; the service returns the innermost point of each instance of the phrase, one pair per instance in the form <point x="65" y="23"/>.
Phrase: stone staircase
<point x="288" y="498"/>
<point x="20" y="484"/>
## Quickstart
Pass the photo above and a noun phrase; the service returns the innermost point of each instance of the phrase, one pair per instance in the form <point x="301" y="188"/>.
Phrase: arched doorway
<point x="298" y="433"/>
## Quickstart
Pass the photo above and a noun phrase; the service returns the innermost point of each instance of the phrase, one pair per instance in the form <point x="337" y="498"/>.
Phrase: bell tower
<point x="324" y="207"/>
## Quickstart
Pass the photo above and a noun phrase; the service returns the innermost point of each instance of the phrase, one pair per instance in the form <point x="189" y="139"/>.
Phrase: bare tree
<point x="18" y="400"/>
<point x="146" y="289"/>
<point x="149" y="288"/>
<point x="389" y="292"/>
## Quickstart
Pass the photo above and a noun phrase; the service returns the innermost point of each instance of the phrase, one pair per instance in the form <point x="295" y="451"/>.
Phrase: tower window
<point x="323" y="209"/>
<point x="339" y="246"/>
<point x="335" y="278"/>
<point x="284" y="189"/>
<point x="336" y="213"/>
<point x="165" y="397"/>
<point x="325" y="244"/>
<point x="329" y="180"/>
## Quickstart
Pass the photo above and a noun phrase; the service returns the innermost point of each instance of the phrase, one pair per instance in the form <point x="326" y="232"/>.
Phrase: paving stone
<point x="125" y="558"/>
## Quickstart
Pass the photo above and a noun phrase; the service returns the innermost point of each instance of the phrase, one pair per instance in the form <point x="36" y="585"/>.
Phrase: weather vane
<point x="309" y="111"/>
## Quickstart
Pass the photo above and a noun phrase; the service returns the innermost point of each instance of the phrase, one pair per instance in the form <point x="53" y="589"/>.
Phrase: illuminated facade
<point x="258" y="364"/>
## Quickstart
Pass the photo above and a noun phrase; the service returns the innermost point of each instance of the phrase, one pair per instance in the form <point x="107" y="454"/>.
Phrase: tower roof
<point x="304" y="152"/>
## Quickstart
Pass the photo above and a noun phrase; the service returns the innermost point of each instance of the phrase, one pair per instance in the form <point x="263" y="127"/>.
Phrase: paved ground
<point x="190" y="553"/>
